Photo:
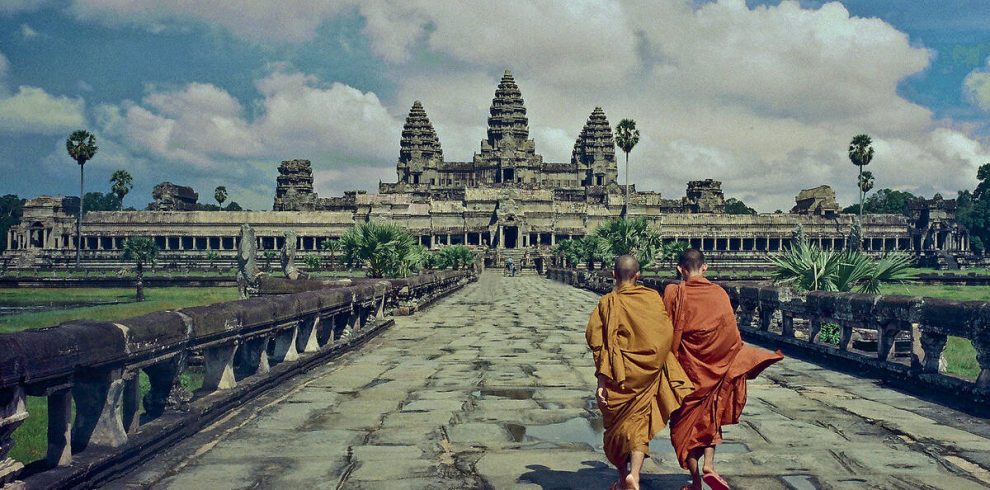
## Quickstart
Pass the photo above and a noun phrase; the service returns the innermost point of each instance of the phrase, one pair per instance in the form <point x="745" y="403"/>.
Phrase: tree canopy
<point x="11" y="209"/>
<point x="735" y="206"/>
<point x="99" y="201"/>
<point x="885" y="201"/>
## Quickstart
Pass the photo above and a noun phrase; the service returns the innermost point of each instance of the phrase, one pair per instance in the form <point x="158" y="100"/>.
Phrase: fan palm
<point x="861" y="153"/>
<point x="81" y="146"/>
<point x="121" y="183"/>
<point x="626" y="136"/>
<point x="333" y="246"/>
<point x="386" y="249"/>
<point x="865" y="185"/>
<point x="220" y="194"/>
<point x="809" y="268"/>
<point x="141" y="250"/>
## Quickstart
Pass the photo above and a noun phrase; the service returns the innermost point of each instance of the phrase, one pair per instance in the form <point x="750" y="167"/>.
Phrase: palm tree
<point x="122" y="183"/>
<point x="809" y="268"/>
<point x="142" y="250"/>
<point x="387" y="249"/>
<point x="865" y="185"/>
<point x="860" y="153"/>
<point x="626" y="136"/>
<point x="333" y="246"/>
<point x="220" y="194"/>
<point x="81" y="146"/>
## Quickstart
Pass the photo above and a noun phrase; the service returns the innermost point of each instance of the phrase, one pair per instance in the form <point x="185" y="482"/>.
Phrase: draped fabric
<point x="629" y="334"/>
<point x="708" y="346"/>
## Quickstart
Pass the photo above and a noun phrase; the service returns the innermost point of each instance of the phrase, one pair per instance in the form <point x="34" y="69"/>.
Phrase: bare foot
<point x="632" y="482"/>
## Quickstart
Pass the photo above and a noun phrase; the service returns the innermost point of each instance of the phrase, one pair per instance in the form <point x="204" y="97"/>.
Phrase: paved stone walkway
<point x="492" y="388"/>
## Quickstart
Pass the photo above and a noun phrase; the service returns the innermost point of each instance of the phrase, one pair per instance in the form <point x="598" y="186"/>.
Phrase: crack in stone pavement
<point x="492" y="387"/>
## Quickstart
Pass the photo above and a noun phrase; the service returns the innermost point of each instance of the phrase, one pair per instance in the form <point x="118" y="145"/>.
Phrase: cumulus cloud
<point x="27" y="32"/>
<point x="200" y="129"/>
<point x="32" y="110"/>
<point x="764" y="98"/>
<point x="254" y="20"/>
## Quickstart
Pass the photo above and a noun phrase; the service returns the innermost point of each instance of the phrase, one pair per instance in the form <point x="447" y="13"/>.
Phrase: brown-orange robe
<point x="708" y="345"/>
<point x="629" y="334"/>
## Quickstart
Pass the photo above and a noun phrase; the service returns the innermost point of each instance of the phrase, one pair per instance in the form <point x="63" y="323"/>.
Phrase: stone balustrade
<point x="774" y="316"/>
<point x="244" y="347"/>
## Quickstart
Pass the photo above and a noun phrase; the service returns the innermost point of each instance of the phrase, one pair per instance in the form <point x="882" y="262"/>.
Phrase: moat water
<point x="8" y="308"/>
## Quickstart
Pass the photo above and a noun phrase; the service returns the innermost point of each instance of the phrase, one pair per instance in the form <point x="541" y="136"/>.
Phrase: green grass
<point x="951" y="291"/>
<point x="960" y="358"/>
<point x="31" y="438"/>
<point x="156" y="299"/>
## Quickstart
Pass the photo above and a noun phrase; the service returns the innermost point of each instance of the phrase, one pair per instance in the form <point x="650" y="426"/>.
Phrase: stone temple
<point x="506" y="199"/>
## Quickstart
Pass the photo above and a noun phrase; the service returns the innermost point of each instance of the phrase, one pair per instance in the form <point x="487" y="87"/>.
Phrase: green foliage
<point x="81" y="146"/>
<point x="121" y="183"/>
<point x="973" y="210"/>
<point x="386" y="249"/>
<point x="269" y="256"/>
<point x="453" y="257"/>
<point x="212" y="257"/>
<point x="141" y="250"/>
<point x="570" y="251"/>
<point x="333" y="246"/>
<point x="809" y="268"/>
<point x="830" y="333"/>
<point x="626" y="135"/>
<point x="861" y="153"/>
<point x="631" y="237"/>
<point x="312" y="262"/>
<point x="735" y="206"/>
<point x="672" y="251"/>
<point x="885" y="201"/>
<point x="11" y="210"/>
<point x="233" y="206"/>
<point x="220" y="194"/>
<point x="866" y="182"/>
<point x="98" y="201"/>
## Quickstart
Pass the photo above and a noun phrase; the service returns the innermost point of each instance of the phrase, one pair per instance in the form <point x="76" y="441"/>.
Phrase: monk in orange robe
<point x="639" y="383"/>
<point x="708" y="346"/>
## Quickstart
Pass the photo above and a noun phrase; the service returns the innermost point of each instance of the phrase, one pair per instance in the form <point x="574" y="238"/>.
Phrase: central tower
<point x="508" y="156"/>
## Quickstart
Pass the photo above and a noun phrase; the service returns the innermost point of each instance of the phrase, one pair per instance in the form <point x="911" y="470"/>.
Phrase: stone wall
<point x="245" y="347"/>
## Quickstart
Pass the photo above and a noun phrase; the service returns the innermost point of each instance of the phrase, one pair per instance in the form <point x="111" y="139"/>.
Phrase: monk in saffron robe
<point x="639" y="382"/>
<point x="708" y="345"/>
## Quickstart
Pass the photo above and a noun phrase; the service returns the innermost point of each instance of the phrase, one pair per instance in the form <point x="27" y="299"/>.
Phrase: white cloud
<point x="32" y="110"/>
<point x="976" y="88"/>
<point x="254" y="20"/>
<point x="27" y="32"/>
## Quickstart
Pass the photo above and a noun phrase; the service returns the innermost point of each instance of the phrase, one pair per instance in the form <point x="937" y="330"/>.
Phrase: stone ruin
<point x="818" y="201"/>
<point x="289" y="258"/>
<point x="247" y="266"/>
<point x="704" y="196"/>
<point x="171" y="197"/>
<point x="294" y="187"/>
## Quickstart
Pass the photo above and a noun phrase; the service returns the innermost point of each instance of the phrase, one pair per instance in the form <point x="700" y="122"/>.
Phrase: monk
<point x="639" y="382"/>
<point x="708" y="346"/>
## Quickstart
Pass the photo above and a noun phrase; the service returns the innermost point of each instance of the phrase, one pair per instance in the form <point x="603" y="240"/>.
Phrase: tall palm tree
<point x="142" y="250"/>
<point x="626" y="136"/>
<point x="81" y="146"/>
<point x="121" y="183"/>
<point x="865" y="185"/>
<point x="860" y="153"/>
<point x="220" y="194"/>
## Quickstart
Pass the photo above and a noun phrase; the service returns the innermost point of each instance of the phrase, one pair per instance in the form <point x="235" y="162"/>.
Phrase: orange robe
<point x="709" y="348"/>
<point x="629" y="334"/>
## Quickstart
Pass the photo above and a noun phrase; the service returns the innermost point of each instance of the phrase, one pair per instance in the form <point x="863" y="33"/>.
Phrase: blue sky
<point x="761" y="95"/>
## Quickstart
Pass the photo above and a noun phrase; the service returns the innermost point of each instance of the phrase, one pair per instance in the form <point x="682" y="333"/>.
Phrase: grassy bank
<point x="157" y="299"/>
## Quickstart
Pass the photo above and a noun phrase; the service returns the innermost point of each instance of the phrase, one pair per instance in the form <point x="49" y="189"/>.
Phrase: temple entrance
<point x="511" y="234"/>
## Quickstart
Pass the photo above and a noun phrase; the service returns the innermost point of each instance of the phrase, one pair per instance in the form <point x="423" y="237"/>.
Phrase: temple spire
<point x="507" y="122"/>
<point x="594" y="151"/>
<point x="419" y="139"/>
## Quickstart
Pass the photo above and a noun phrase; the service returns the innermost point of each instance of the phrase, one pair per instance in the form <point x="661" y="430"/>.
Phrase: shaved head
<point x="691" y="260"/>
<point x="626" y="268"/>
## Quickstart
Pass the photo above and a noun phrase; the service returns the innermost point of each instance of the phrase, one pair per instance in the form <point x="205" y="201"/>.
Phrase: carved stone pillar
<point x="59" y="426"/>
<point x="787" y="324"/>
<point x="98" y="410"/>
<point x="163" y="377"/>
<point x="887" y="335"/>
<point x="308" y="339"/>
<point x="13" y="412"/>
<point x="285" y="344"/>
<point x="219" y="368"/>
<point x="252" y="357"/>
<point x="927" y="349"/>
<point x="814" y="328"/>
<point x="845" y="339"/>
<point x="982" y="345"/>
<point x="131" y="403"/>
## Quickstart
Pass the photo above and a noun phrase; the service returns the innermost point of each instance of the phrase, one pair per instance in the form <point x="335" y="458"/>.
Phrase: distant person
<point x="708" y="346"/>
<point x="510" y="266"/>
<point x="639" y="381"/>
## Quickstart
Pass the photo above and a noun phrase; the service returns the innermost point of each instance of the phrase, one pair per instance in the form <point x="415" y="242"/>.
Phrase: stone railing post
<point x="814" y="328"/>
<point x="59" y="426"/>
<point x="163" y="377"/>
<point x="981" y="342"/>
<point x="285" y="344"/>
<point x="749" y="300"/>
<point x="219" y="367"/>
<point x="845" y="339"/>
<point x="927" y="349"/>
<point x="99" y="421"/>
<point x="131" y="402"/>
<point x="13" y="412"/>
<point x="886" y="337"/>
<point x="252" y="357"/>
<point x="307" y="340"/>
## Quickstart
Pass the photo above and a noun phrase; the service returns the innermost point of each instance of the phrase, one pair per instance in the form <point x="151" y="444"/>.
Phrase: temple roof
<point x="419" y="139"/>
<point x="508" y="120"/>
<point x="595" y="143"/>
